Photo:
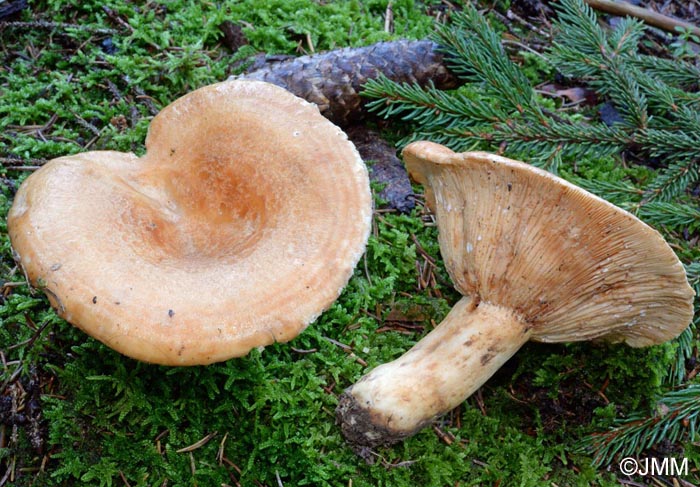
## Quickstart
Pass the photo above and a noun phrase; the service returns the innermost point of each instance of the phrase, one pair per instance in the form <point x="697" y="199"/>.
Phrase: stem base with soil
<point x="397" y="399"/>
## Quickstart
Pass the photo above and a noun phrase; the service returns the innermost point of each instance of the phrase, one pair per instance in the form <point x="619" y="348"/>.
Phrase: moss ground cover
<point x="89" y="75"/>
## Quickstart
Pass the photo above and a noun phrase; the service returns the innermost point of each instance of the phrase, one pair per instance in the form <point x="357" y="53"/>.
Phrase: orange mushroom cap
<point x="242" y="222"/>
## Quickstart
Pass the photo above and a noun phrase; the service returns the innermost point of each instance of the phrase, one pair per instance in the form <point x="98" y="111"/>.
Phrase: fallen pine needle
<point x="199" y="444"/>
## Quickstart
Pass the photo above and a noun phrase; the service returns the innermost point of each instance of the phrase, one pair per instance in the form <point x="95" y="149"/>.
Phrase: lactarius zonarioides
<point x="535" y="258"/>
<point x="242" y="222"/>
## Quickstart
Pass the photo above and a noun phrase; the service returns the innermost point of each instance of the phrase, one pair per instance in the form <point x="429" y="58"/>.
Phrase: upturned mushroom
<point x="535" y="258"/>
<point x="242" y="222"/>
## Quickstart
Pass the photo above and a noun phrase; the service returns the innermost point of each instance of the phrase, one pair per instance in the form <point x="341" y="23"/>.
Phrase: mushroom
<point x="535" y="258"/>
<point x="242" y="222"/>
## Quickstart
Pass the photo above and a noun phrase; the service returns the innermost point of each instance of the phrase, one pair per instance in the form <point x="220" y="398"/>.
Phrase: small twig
<point x="693" y="373"/>
<point x="9" y="473"/>
<point x="43" y="24"/>
<point x="347" y="348"/>
<point x="30" y="341"/>
<point x="12" y="378"/>
<point x="367" y="274"/>
<point x="479" y="398"/>
<point x="85" y="124"/>
<point x="147" y="100"/>
<point x="198" y="444"/>
<point x="162" y="435"/>
<point x="117" y="19"/>
<point x="12" y="162"/>
<point x="510" y="15"/>
<point x="389" y="18"/>
<point x="114" y="90"/>
<point x="220" y="452"/>
<point x="656" y="19"/>
<point x="91" y="142"/>
<point x="310" y="43"/>
<point x="126" y="482"/>
<point x="421" y="250"/>
<point x="404" y="464"/>
<point x="523" y="47"/>
<point x="232" y="465"/>
<point x="22" y="168"/>
<point x="12" y="284"/>
<point x="445" y="437"/>
<point x="193" y="467"/>
<point x="304" y="351"/>
<point x="630" y="483"/>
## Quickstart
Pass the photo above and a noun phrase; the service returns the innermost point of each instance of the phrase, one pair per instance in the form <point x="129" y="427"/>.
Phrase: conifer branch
<point x="686" y="348"/>
<point x="621" y="193"/>
<point x="478" y="57"/>
<point x="427" y="106"/>
<point x="660" y="118"/>
<point x="675" y="179"/>
<point x="675" y="419"/>
<point x="673" y="215"/>
<point x="594" y="139"/>
<point x="619" y="83"/>
<point x="670" y="71"/>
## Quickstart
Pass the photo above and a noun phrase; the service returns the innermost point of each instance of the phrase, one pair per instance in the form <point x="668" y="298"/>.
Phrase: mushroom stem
<point x="396" y="399"/>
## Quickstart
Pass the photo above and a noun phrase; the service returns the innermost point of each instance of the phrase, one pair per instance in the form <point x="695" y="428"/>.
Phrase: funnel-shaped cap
<point x="570" y="264"/>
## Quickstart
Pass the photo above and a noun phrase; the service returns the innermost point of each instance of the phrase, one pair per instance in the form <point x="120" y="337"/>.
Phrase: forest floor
<point x="86" y="75"/>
